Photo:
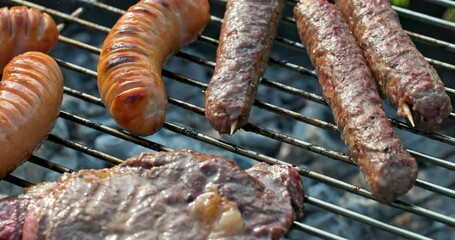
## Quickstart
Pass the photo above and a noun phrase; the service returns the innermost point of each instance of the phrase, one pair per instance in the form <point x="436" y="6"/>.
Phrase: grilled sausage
<point x="129" y="68"/>
<point x="25" y="29"/>
<point x="405" y="77"/>
<point x="31" y="93"/>
<point x="246" y="38"/>
<point x="350" y="90"/>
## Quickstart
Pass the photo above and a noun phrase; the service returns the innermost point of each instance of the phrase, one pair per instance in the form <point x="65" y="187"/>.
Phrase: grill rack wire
<point x="74" y="18"/>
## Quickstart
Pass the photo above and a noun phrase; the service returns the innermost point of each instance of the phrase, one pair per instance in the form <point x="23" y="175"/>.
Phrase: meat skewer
<point x="25" y="29"/>
<point x="350" y="90"/>
<point x="405" y="77"/>
<point x="246" y="38"/>
<point x="31" y="92"/>
<point x="129" y="68"/>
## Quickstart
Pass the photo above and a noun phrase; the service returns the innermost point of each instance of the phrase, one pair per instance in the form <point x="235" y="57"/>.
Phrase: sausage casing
<point x="129" y="68"/>
<point x="405" y="77"/>
<point x="349" y="88"/>
<point x="25" y="29"/>
<point x="246" y="38"/>
<point x="31" y="93"/>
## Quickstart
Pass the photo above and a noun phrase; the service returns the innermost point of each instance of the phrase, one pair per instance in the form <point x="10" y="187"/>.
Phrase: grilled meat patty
<point x="180" y="195"/>
<point x="246" y="38"/>
<point x="405" y="77"/>
<point x="349" y="88"/>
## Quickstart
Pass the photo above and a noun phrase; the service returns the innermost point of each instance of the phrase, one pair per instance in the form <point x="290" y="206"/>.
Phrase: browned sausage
<point x="129" y="68"/>
<point x="31" y="93"/>
<point x="350" y="90"/>
<point x="25" y="29"/>
<point x="406" y="78"/>
<point x="246" y="39"/>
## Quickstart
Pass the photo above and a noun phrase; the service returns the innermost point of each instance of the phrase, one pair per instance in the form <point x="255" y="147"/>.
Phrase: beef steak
<point x="182" y="194"/>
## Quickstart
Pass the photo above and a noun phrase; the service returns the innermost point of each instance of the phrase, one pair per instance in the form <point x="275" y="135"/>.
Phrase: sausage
<point x="406" y="78"/>
<point x="133" y="53"/>
<point x="31" y="93"/>
<point x="25" y="29"/>
<point x="349" y="88"/>
<point x="246" y="38"/>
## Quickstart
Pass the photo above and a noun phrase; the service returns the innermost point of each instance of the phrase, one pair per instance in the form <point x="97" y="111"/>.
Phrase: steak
<point x="175" y="195"/>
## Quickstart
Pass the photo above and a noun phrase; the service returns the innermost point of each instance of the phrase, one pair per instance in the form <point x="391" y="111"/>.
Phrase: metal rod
<point x="64" y="16"/>
<point x="84" y="149"/>
<point x="364" y="219"/>
<point x="17" y="181"/>
<point x="111" y="131"/>
<point x="425" y="18"/>
<point x="316" y="231"/>
<point x="444" y="3"/>
<point x="48" y="164"/>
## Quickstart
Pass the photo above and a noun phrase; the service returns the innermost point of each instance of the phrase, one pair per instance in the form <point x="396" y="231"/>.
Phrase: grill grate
<point x="283" y="64"/>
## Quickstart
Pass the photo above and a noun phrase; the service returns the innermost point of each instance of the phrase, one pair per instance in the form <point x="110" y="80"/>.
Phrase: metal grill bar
<point x="17" y="181"/>
<point x="49" y="165"/>
<point x="364" y="219"/>
<point x="425" y="18"/>
<point x="444" y="3"/>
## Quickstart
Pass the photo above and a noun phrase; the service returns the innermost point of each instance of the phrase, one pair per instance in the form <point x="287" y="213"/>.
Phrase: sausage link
<point x="246" y="39"/>
<point x="25" y="29"/>
<point x="405" y="77"/>
<point x="129" y="68"/>
<point x="350" y="90"/>
<point x="31" y="93"/>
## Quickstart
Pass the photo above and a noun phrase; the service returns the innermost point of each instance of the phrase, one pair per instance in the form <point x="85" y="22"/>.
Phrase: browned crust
<point x="25" y="29"/>
<point x="129" y="68"/>
<point x="31" y="93"/>
<point x="404" y="75"/>
<point x="350" y="90"/>
<point x="246" y="38"/>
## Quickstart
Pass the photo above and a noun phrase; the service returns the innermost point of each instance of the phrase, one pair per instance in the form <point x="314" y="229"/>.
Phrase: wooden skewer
<point x="408" y="114"/>
<point x="233" y="126"/>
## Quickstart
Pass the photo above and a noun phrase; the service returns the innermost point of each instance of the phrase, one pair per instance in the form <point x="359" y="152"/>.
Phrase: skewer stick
<point x="408" y="114"/>
<point x="233" y="126"/>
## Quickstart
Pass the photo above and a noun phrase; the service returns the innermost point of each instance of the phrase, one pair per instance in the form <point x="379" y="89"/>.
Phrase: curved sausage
<point x="129" y="68"/>
<point x="25" y="29"/>
<point x="350" y="90"/>
<point x="246" y="38"/>
<point x="406" y="78"/>
<point x="31" y="93"/>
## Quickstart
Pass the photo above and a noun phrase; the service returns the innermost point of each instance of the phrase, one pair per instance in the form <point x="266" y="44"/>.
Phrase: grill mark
<point x="122" y="45"/>
<point x="118" y="61"/>
<point x="164" y="3"/>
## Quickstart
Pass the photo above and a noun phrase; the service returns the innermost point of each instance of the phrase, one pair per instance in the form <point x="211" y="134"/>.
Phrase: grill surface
<point x="73" y="15"/>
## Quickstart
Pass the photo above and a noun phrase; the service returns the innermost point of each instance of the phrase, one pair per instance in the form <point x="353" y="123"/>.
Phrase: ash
<point x="314" y="216"/>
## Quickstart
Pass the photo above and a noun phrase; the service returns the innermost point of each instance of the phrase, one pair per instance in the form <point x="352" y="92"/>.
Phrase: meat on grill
<point x="349" y="88"/>
<point x="176" y="195"/>
<point x="25" y="29"/>
<point x="406" y="78"/>
<point x="245" y="42"/>
<point x="31" y="92"/>
<point x="129" y="67"/>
